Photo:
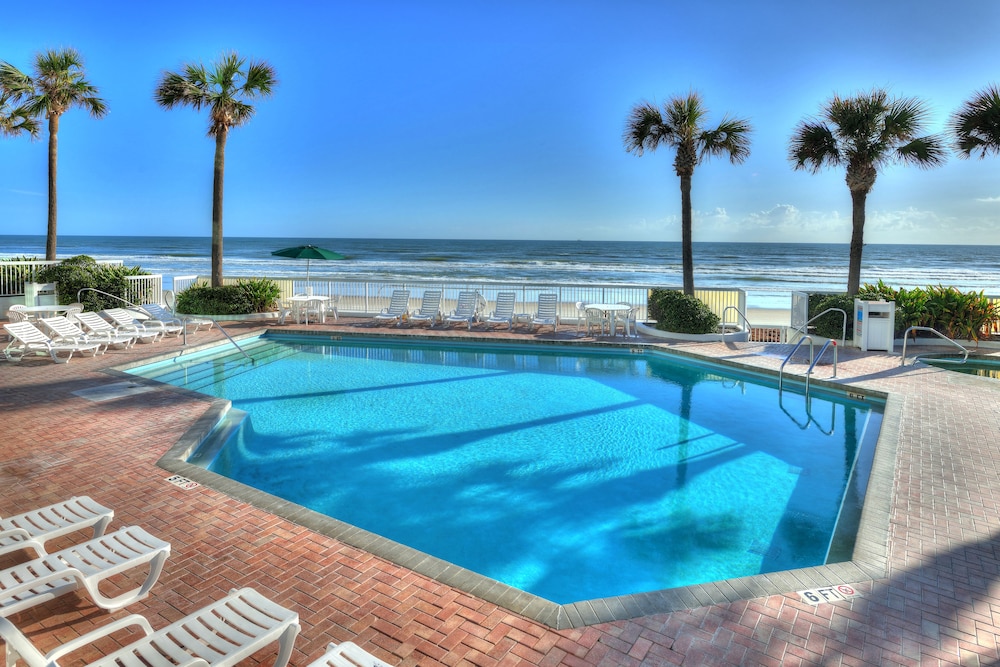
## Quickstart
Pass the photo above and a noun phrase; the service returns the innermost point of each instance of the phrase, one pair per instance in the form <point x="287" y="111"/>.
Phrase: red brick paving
<point x="939" y="604"/>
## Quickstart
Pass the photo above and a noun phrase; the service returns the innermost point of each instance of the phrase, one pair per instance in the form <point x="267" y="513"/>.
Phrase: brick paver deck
<point x="939" y="603"/>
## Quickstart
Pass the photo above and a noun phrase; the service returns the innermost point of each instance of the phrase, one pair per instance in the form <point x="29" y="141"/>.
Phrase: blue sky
<point x="480" y="119"/>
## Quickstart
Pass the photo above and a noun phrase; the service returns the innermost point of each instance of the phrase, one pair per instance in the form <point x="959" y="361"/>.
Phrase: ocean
<point x="767" y="271"/>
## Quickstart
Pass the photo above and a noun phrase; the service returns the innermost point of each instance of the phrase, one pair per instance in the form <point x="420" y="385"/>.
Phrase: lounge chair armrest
<point x="103" y="631"/>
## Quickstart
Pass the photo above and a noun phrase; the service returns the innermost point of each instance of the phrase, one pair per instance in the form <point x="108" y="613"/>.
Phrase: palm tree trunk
<point x="858" y="198"/>
<point x="687" y="253"/>
<point x="50" y="238"/>
<point x="218" y="173"/>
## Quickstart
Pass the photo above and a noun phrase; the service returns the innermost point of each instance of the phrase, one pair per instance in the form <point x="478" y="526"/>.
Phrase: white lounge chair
<point x="160" y="314"/>
<point x="430" y="308"/>
<point x="218" y="635"/>
<point x="347" y="654"/>
<point x="503" y="311"/>
<point x="123" y="318"/>
<point x="31" y="530"/>
<point x="547" y="312"/>
<point x="84" y="566"/>
<point x="466" y="310"/>
<point x="64" y="330"/>
<point x="27" y="338"/>
<point x="95" y="324"/>
<point x="399" y="303"/>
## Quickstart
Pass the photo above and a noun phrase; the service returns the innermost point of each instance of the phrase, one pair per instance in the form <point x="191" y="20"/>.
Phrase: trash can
<point x="874" y="325"/>
<point x="40" y="294"/>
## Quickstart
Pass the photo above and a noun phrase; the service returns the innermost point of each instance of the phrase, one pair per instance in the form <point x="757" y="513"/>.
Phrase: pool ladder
<point x="814" y="359"/>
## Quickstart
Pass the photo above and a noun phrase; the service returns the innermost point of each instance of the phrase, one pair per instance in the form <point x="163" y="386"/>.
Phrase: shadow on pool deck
<point x="935" y="604"/>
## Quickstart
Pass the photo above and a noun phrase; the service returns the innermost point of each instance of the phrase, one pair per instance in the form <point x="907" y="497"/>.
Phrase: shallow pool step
<point x="197" y="374"/>
<point x="229" y="425"/>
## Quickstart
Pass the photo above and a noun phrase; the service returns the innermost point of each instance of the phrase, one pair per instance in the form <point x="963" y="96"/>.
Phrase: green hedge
<point x="75" y="273"/>
<point x="681" y="313"/>
<point x="956" y="314"/>
<point x="244" y="297"/>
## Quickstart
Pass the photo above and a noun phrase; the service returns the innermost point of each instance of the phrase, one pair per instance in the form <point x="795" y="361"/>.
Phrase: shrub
<point x="957" y="314"/>
<point x="681" y="313"/>
<point x="242" y="298"/>
<point x="911" y="305"/>
<point x="75" y="273"/>
<point x="831" y="325"/>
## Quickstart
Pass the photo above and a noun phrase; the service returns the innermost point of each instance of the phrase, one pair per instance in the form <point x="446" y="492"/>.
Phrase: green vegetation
<point x="245" y="297"/>
<point x="58" y="85"/>
<point x="681" y="313"/>
<point x="75" y="273"/>
<point x="225" y="91"/>
<point x="956" y="314"/>
<point x="681" y="126"/>
<point x="864" y="134"/>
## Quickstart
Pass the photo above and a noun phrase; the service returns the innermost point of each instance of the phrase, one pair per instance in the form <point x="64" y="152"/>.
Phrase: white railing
<point x="13" y="275"/>
<point x="367" y="297"/>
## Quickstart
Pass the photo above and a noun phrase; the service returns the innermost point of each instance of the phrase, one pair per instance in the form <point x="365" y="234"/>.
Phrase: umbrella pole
<point x="307" y="269"/>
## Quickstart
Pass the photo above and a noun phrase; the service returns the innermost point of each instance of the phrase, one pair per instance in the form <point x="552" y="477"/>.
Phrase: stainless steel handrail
<point x="738" y="312"/>
<point x="937" y="333"/>
<point x="781" y="369"/>
<point x="843" y="335"/>
<point x="113" y="296"/>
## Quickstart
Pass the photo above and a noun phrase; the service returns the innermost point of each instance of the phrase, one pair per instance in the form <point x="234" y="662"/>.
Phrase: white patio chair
<point x="123" y="336"/>
<point x="430" y="308"/>
<point x="547" y="312"/>
<point x="347" y="654"/>
<point x="466" y="310"/>
<point x="28" y="339"/>
<point x="218" y="635"/>
<point x="399" y="304"/>
<point x="85" y="566"/>
<point x="32" y="529"/>
<point x="626" y="320"/>
<point x="503" y="310"/>
<point x="598" y="319"/>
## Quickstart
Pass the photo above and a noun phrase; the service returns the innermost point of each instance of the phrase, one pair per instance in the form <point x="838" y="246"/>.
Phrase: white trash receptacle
<point x="874" y="325"/>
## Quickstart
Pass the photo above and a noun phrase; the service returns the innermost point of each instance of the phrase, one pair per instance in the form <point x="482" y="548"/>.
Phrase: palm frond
<point x="731" y="137"/>
<point x="644" y="129"/>
<point x="924" y="152"/>
<point x="814" y="146"/>
<point x="975" y="127"/>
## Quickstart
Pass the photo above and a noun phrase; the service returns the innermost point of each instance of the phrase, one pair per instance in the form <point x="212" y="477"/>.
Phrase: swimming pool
<point x="981" y="366"/>
<point x="572" y="475"/>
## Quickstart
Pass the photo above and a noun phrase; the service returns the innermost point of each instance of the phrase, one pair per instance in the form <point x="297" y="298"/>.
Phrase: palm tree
<point x="679" y="126"/>
<point x="863" y="134"/>
<point x="976" y="126"/>
<point x="58" y="85"/>
<point x="224" y="90"/>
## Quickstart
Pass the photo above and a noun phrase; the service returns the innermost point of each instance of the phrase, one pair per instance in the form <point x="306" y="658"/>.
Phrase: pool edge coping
<point x="868" y="563"/>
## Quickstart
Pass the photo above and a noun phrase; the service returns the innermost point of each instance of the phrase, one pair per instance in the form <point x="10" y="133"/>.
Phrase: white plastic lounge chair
<point x="347" y="654"/>
<point x="95" y="324"/>
<point x="547" y="312"/>
<point x="27" y="338"/>
<point x="398" y="305"/>
<point x="430" y="308"/>
<point x="33" y="529"/>
<point x="161" y="314"/>
<point x="503" y="311"/>
<point x="64" y="330"/>
<point x="84" y="566"/>
<point x="218" y="635"/>
<point x="466" y="310"/>
<point x="123" y="318"/>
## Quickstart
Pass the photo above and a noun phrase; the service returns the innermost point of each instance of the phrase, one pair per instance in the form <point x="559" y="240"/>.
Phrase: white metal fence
<point x="367" y="297"/>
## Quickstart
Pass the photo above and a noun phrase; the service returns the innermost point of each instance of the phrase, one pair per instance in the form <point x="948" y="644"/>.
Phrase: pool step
<point x="229" y="425"/>
<point x="197" y="374"/>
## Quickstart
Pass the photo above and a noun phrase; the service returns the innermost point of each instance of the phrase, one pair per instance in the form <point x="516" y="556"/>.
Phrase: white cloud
<point x="988" y="200"/>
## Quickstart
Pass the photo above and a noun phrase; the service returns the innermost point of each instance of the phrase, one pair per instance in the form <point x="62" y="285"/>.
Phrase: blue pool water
<point x="568" y="474"/>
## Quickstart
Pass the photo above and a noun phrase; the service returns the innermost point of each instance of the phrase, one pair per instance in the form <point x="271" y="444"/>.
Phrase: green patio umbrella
<point x="308" y="253"/>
